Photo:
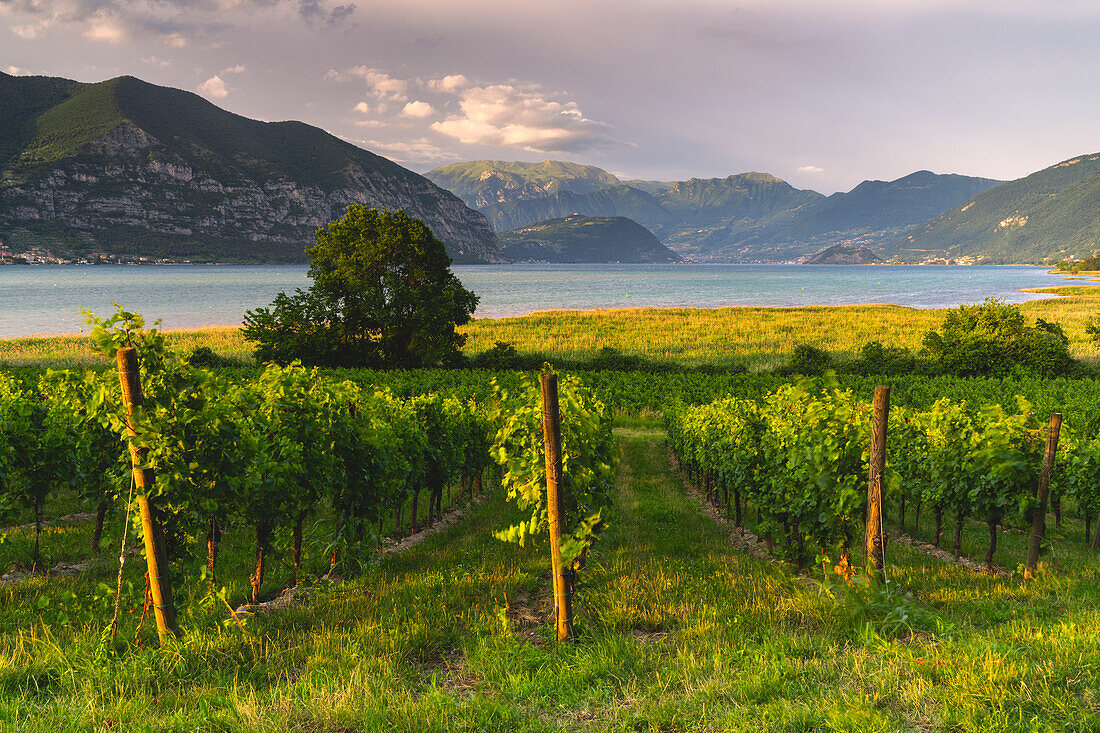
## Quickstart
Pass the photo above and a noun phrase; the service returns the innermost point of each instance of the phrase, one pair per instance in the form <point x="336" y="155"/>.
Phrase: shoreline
<point x="758" y="338"/>
<point x="621" y="311"/>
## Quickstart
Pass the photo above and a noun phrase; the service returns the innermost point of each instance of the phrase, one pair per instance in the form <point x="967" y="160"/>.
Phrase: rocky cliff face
<point x="127" y="167"/>
<point x="498" y="187"/>
<point x="126" y="180"/>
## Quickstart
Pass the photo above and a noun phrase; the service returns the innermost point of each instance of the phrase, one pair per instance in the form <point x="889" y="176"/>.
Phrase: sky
<point x="821" y="93"/>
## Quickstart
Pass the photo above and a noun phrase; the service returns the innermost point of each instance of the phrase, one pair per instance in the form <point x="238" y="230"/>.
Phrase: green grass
<point x="1090" y="291"/>
<point x="678" y="631"/>
<point x="76" y="350"/>
<point x="760" y="337"/>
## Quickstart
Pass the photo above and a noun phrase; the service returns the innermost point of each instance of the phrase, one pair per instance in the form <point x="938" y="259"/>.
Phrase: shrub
<point x="1092" y="330"/>
<point x="809" y="360"/>
<point x="994" y="338"/>
<point x="204" y="356"/>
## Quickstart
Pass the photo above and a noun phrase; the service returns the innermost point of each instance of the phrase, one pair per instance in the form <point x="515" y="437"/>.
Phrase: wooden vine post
<point x="875" y="540"/>
<point x="129" y="374"/>
<point x="1039" y="519"/>
<point x="551" y="441"/>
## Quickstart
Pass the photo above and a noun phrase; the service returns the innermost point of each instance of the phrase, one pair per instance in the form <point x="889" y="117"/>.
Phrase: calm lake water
<point x="48" y="299"/>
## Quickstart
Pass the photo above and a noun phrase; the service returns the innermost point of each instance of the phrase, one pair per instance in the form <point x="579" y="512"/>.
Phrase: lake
<point x="48" y="299"/>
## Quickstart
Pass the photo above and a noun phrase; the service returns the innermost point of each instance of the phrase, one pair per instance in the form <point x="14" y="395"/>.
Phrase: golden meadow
<point x="759" y="337"/>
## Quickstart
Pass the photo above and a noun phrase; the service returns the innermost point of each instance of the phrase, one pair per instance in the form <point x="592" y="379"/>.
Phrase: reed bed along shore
<point x="759" y="337"/>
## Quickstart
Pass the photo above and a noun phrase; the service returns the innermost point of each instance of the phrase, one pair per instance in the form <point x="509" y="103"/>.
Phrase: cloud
<point x="421" y="150"/>
<point x="362" y="107"/>
<point x="154" y="61"/>
<point x="810" y="169"/>
<point x="314" y="11"/>
<point x="379" y="83"/>
<point x="214" y="87"/>
<point x="116" y="21"/>
<point x="418" y="109"/>
<point x="16" y="71"/>
<point x="27" y="32"/>
<point x="370" y="123"/>
<point x="104" y="27"/>
<point x="448" y="84"/>
<point x="507" y="116"/>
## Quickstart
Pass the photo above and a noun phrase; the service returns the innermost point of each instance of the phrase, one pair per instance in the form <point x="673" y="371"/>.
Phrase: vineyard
<point x="200" y="453"/>
<point x="798" y="458"/>
<point x="364" y="550"/>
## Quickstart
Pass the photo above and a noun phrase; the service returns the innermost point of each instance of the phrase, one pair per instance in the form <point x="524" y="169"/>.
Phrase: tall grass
<point x="762" y="337"/>
<point x="759" y="337"/>
<point x="73" y="350"/>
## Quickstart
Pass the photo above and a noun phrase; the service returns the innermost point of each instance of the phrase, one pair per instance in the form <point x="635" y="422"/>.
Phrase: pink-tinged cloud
<point x="506" y="116"/>
<point x="214" y="88"/>
<point x="418" y="110"/>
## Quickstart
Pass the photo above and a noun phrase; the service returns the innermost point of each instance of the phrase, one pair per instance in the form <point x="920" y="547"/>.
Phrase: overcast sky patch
<point x="655" y="88"/>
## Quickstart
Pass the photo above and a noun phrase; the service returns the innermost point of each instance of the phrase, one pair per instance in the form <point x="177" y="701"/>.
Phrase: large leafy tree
<point x="383" y="294"/>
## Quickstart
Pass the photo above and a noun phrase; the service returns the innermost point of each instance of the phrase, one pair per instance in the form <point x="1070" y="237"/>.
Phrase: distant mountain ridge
<point x="880" y="209"/>
<point x="748" y="217"/>
<point x="580" y="238"/>
<point x="128" y="167"/>
<point x="1051" y="214"/>
<point x="478" y="177"/>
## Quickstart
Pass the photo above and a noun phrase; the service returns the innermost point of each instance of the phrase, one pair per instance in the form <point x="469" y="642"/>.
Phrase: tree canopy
<point x="383" y="294"/>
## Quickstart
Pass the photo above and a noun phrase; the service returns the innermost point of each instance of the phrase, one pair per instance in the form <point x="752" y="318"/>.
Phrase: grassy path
<point x="679" y="632"/>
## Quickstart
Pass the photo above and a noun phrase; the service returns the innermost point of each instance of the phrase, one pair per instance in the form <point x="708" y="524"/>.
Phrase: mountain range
<point x="127" y="167"/>
<point x="130" y="168"/>
<point x="746" y="217"/>
<point x="1051" y="214"/>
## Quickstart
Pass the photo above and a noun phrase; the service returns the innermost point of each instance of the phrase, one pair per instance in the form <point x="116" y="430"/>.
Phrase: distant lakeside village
<point x="43" y="256"/>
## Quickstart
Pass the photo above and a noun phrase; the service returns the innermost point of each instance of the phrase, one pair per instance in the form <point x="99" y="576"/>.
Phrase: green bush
<point x="994" y="338"/>
<point x="204" y="356"/>
<point x="809" y="361"/>
<point x="1092" y="330"/>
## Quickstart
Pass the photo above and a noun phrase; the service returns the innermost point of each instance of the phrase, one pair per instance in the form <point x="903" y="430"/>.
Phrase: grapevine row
<point x="267" y="454"/>
<point x="798" y="457"/>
